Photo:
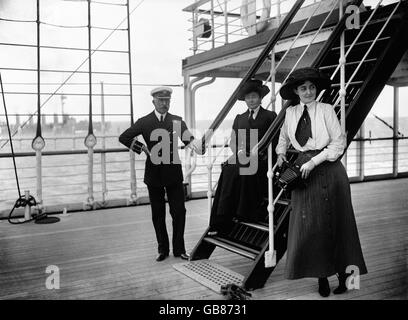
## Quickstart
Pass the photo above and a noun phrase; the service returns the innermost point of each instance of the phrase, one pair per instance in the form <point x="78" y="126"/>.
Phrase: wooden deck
<point x="109" y="254"/>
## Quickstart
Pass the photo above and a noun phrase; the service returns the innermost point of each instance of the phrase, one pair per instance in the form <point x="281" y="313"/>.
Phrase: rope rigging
<point x="72" y="74"/>
<point x="27" y="201"/>
<point x="22" y="201"/>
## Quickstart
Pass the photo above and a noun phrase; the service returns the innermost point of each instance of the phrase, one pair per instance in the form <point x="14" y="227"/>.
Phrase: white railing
<point x="350" y="80"/>
<point x="219" y="22"/>
<point x="65" y="176"/>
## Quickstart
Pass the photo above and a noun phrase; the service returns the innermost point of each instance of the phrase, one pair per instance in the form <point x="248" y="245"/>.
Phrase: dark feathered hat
<point x="253" y="85"/>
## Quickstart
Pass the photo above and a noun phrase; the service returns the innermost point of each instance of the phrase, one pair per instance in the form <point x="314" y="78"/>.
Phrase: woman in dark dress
<point x="323" y="237"/>
<point x="242" y="187"/>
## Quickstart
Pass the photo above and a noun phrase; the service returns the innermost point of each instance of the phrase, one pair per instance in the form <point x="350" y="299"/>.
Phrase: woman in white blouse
<point x="323" y="238"/>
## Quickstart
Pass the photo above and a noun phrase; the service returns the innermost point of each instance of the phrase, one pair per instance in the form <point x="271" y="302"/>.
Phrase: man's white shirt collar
<point x="158" y="115"/>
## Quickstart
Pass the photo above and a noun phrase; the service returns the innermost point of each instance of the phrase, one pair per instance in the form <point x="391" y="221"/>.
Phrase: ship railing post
<point x="38" y="156"/>
<point x="103" y="145"/>
<point x="209" y="187"/>
<point x="226" y="20"/>
<point x="361" y="152"/>
<point x="187" y="169"/>
<point x="38" y="142"/>
<point x="90" y="142"/>
<point x="27" y="208"/>
<point x="38" y="145"/>
<point x="395" y="133"/>
<point x="189" y="119"/>
<point x="103" y="173"/>
<point x="195" y="41"/>
<point x="90" y="176"/>
<point x="212" y="25"/>
<point x="342" y="93"/>
<point x="133" y="183"/>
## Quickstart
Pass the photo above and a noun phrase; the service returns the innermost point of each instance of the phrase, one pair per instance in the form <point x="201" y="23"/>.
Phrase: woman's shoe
<point x="342" y="283"/>
<point x="324" y="288"/>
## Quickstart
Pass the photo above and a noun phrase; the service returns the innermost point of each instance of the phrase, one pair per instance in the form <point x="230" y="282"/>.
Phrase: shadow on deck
<point x="110" y="254"/>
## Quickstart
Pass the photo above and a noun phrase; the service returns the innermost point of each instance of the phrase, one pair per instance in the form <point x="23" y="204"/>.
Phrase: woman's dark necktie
<point x="304" y="128"/>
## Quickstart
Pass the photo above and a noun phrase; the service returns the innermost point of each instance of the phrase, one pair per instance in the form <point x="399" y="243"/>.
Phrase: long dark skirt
<point x="323" y="238"/>
<point x="239" y="196"/>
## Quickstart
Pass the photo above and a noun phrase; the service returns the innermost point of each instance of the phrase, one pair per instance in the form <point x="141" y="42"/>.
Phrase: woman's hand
<point x="197" y="146"/>
<point x="281" y="159"/>
<point x="306" y="168"/>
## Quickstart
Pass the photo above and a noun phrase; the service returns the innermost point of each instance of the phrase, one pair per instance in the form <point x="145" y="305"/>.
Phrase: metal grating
<point x="209" y="274"/>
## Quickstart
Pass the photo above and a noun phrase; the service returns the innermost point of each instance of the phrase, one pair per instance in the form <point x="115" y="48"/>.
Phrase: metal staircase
<point x="372" y="52"/>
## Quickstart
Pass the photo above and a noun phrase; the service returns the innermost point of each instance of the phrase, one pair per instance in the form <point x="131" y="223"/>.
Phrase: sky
<point x="159" y="42"/>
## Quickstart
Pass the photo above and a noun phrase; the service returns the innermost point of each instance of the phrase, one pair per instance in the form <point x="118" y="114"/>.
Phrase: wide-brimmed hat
<point x="253" y="85"/>
<point x="162" y="92"/>
<point x="299" y="76"/>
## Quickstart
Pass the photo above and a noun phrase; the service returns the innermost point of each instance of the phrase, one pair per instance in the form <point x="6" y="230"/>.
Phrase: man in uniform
<point x="163" y="172"/>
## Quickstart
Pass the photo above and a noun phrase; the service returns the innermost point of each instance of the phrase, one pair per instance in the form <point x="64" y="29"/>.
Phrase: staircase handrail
<point x="251" y="72"/>
<point x="369" y="49"/>
<point x="277" y="123"/>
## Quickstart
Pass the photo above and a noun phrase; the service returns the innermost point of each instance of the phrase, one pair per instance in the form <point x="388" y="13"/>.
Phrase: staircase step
<point x="362" y="43"/>
<point x="280" y="201"/>
<point x="347" y="64"/>
<point x="233" y="247"/>
<point x="283" y="202"/>
<point x="380" y="20"/>
<point x="255" y="226"/>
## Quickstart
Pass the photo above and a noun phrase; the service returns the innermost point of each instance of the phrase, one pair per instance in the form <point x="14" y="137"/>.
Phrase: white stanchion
<point x="270" y="255"/>
<point x="27" y="208"/>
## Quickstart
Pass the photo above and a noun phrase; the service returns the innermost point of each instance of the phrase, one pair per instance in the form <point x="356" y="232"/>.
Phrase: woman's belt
<point x="305" y="156"/>
<point x="311" y="153"/>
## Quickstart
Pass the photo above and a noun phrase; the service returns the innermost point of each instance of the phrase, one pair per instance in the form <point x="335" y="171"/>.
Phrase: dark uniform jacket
<point x="237" y="195"/>
<point x="160" y="174"/>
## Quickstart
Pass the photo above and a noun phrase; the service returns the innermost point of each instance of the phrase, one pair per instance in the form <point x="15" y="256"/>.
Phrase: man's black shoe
<point x="183" y="256"/>
<point x="161" y="256"/>
<point x="324" y="287"/>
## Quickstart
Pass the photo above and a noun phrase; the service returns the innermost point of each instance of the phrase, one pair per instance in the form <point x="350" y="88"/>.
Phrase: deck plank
<point x="109" y="254"/>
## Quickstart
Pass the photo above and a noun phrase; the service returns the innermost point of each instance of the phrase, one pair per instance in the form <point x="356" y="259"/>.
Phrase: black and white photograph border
<point x="88" y="88"/>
